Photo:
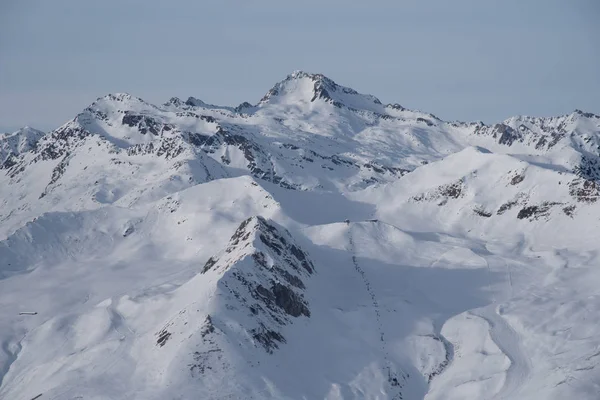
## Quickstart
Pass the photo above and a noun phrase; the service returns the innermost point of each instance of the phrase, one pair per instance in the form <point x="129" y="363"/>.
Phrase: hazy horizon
<point x="460" y="61"/>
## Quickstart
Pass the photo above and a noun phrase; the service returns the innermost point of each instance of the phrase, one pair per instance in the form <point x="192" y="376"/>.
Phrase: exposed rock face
<point x="265" y="272"/>
<point x="537" y="211"/>
<point x="584" y="190"/>
<point x="442" y="193"/>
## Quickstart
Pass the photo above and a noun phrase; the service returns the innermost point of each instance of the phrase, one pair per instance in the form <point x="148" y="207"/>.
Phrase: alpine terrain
<point x="317" y="244"/>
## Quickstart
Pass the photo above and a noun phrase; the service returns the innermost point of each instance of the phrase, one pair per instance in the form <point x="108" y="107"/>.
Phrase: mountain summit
<point x="302" y="87"/>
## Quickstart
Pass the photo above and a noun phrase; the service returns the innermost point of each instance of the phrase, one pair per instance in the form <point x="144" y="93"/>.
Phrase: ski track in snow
<point x="390" y="371"/>
<point x="509" y="343"/>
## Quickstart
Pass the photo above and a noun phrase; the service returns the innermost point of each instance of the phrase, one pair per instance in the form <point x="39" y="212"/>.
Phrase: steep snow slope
<point x="315" y="245"/>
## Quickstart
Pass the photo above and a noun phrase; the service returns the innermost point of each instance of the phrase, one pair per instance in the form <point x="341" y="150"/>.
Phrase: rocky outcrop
<point x="264" y="272"/>
<point x="442" y="193"/>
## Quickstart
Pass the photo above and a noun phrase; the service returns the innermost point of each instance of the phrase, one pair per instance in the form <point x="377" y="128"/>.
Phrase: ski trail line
<point x="508" y="341"/>
<point x="392" y="375"/>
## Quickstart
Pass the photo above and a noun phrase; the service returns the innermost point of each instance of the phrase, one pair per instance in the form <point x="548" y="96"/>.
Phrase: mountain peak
<point x="315" y="77"/>
<point x="304" y="87"/>
<point x="113" y="102"/>
<point x="120" y="97"/>
<point x="15" y="143"/>
<point x="25" y="129"/>
<point x="264" y="271"/>
<point x="257" y="235"/>
<point x="193" y="102"/>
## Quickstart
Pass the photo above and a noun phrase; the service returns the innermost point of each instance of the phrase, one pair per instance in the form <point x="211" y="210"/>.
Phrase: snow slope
<point x="315" y="245"/>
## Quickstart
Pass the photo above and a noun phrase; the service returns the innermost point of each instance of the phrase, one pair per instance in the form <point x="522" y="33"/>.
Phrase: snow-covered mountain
<point x="14" y="144"/>
<point x="315" y="245"/>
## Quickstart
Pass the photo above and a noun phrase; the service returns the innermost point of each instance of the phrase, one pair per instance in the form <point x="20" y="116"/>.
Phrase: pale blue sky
<point x="460" y="59"/>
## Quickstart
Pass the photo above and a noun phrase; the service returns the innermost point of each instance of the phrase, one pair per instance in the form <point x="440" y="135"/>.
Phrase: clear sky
<point x="459" y="59"/>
